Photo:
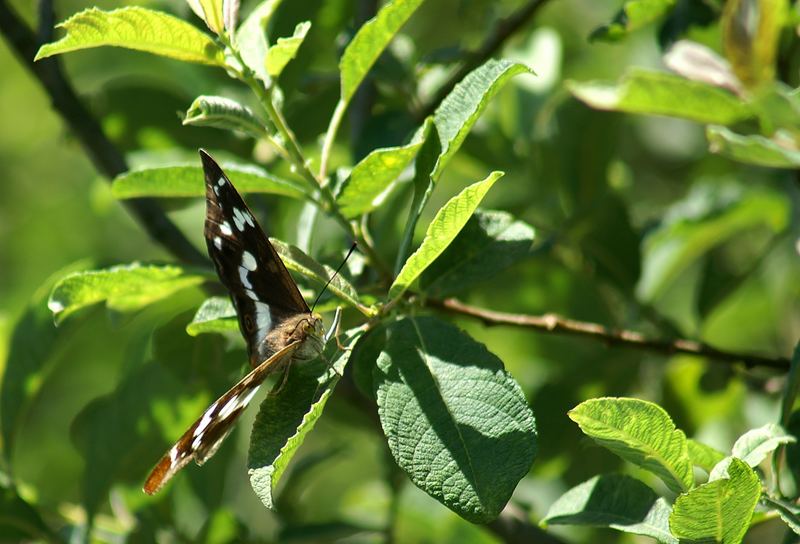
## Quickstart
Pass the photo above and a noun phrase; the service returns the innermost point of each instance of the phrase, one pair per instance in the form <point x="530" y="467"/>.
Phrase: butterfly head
<point x="310" y="332"/>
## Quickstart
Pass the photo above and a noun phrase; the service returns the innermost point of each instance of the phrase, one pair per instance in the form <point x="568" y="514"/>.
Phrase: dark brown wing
<point x="205" y="436"/>
<point x="260" y="286"/>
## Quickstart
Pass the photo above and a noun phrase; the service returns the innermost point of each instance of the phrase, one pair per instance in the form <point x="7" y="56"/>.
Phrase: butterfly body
<point x="277" y="324"/>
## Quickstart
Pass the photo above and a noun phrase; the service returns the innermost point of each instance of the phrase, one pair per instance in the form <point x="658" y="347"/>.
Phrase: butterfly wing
<point x="205" y="436"/>
<point x="261" y="288"/>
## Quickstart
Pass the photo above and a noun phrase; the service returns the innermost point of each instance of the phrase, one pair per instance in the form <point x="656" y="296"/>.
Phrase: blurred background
<point x="599" y="187"/>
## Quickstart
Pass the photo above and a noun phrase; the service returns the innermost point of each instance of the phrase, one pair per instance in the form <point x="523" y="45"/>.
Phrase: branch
<point x="106" y="158"/>
<point x="513" y="527"/>
<point x="613" y="337"/>
<point x="503" y="30"/>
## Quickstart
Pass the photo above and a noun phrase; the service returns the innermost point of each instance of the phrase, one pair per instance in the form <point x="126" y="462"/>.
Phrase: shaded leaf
<point x="252" y="38"/>
<point x="372" y="179"/>
<point x="124" y="287"/>
<point x="285" y="49"/>
<point x="224" y="113"/>
<point x="658" y="93"/>
<point x="634" y="15"/>
<point x="20" y="521"/>
<point x="187" y="181"/>
<point x="754" y="445"/>
<point x="718" y="511"/>
<point x="703" y="456"/>
<point x="615" y="501"/>
<point x="135" y="28"/>
<point x="459" y="111"/>
<point x="285" y="418"/>
<point x="443" y="229"/>
<point x="753" y="148"/>
<point x="789" y="513"/>
<point x="216" y="314"/>
<point x="640" y="432"/>
<point x="457" y="423"/>
<point x="370" y="40"/>
<point x="490" y="242"/>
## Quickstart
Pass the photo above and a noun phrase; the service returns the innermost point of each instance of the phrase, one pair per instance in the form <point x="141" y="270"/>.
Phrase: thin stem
<point x="616" y="337"/>
<point x="330" y="137"/>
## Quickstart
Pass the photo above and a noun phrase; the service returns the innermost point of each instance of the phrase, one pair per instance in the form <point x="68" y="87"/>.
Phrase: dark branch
<point x="503" y="30"/>
<point x="514" y="527"/>
<point x="103" y="153"/>
<point x="613" y="337"/>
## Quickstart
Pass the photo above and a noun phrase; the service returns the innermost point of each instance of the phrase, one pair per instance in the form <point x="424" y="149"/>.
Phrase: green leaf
<point x="456" y="422"/>
<point x="490" y="242"/>
<point x="124" y="287"/>
<point x="634" y="15"/>
<point x="372" y="179"/>
<point x="135" y="28"/>
<point x="187" y="181"/>
<point x="21" y="521"/>
<point x="212" y="15"/>
<point x="230" y="14"/>
<point x="789" y="513"/>
<point x="640" y="432"/>
<point x="711" y="214"/>
<point x="754" y="445"/>
<point x="216" y="314"/>
<point x="703" y="456"/>
<point x="279" y="55"/>
<point x="297" y="261"/>
<point x="753" y="148"/>
<point x="370" y="41"/>
<point x="224" y="113"/>
<point x="718" y="511"/>
<point x="751" y="31"/>
<point x="252" y="38"/>
<point x="443" y="229"/>
<point x="284" y="419"/>
<point x="461" y="108"/>
<point x="658" y="93"/>
<point x="615" y="501"/>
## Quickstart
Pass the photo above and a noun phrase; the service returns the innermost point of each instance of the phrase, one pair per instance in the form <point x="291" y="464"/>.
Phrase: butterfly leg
<point x="284" y="378"/>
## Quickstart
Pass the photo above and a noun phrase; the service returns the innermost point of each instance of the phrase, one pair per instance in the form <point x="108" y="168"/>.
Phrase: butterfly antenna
<point x="327" y="283"/>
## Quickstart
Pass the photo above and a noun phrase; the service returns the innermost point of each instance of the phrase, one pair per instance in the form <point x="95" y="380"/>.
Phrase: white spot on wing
<point x="218" y="242"/>
<point x="221" y="181"/>
<point x="248" y="261"/>
<point x="239" y="218"/>
<point x="173" y="455"/>
<point x="249" y="219"/>
<point x="251" y="295"/>
<point x="204" y="421"/>
<point x="243" y="278"/>
<point x="263" y="319"/>
<point x="197" y="441"/>
<point x="225" y="228"/>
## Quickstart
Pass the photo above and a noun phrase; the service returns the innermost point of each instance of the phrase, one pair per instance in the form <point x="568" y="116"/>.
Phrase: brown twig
<point x="503" y="30"/>
<point x="614" y="337"/>
<point x="103" y="153"/>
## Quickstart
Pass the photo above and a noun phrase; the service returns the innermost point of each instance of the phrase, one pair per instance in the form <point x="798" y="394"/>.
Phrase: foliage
<point x="596" y="218"/>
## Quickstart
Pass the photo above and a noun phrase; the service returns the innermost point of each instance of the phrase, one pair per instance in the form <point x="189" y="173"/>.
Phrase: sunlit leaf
<point x="212" y="15"/>
<point x="634" y="15"/>
<point x="753" y="148"/>
<point x="658" y="93"/>
<point x="615" y="501"/>
<point x="703" y="456"/>
<point x="285" y="49"/>
<point x="135" y="28"/>
<point x="188" y="181"/>
<point x="252" y="38"/>
<point x="754" y="445"/>
<point x="216" y="314"/>
<point x="124" y="287"/>
<point x="443" y="229"/>
<point x="641" y="433"/>
<point x="718" y="511"/>
<point x="456" y="422"/>
<point x="230" y="14"/>
<point x="224" y="113"/>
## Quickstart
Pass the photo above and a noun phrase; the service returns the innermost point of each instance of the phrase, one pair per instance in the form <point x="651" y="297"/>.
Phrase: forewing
<point x="204" y="437"/>
<point x="261" y="288"/>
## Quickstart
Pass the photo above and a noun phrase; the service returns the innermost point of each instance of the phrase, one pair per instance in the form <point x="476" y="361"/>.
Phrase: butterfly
<point x="277" y="324"/>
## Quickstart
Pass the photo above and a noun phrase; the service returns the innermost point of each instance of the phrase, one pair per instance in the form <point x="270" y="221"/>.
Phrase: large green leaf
<point x="490" y="242"/>
<point x="616" y="501"/>
<point x="372" y="179"/>
<point x="252" y="38"/>
<point x="216" y="314"/>
<point x="224" y="113"/>
<point x="188" y="181"/>
<point x="135" y="28"/>
<point x="754" y="445"/>
<point x="370" y="40"/>
<point x="634" y="15"/>
<point x="718" y="511"/>
<point x="640" y="432"/>
<point x="659" y="93"/>
<point x="443" y="229"/>
<point x="285" y="49"/>
<point x="285" y="418"/>
<point x="124" y="287"/>
<point x="459" y="111"/>
<point x="457" y="423"/>
<point x="711" y="214"/>
<point x="753" y="148"/>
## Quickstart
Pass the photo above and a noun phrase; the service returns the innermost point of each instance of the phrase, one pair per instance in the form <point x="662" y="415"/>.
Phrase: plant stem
<point x="616" y="337"/>
<point x="330" y="137"/>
